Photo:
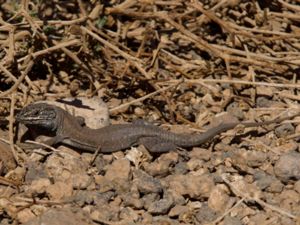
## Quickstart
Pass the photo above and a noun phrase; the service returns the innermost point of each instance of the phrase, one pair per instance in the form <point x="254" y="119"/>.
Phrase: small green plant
<point x="101" y="22"/>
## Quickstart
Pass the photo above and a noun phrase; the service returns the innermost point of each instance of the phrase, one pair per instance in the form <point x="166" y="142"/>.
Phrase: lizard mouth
<point x="27" y="120"/>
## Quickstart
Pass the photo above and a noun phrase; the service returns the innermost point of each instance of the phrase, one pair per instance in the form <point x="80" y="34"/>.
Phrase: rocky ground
<point x="182" y="65"/>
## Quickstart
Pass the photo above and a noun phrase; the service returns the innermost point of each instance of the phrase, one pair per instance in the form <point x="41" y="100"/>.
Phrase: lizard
<point x="63" y="128"/>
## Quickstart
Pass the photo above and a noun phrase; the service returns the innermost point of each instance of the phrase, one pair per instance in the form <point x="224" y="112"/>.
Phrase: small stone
<point x="149" y="199"/>
<point x="17" y="174"/>
<point x="284" y="130"/>
<point x="116" y="202"/>
<point x="161" y="166"/>
<point x="121" y="186"/>
<point x="25" y="215"/>
<point x="290" y="196"/>
<point x="74" y="216"/>
<point x="196" y="205"/>
<point x="262" y="180"/>
<point x="228" y="220"/>
<point x="258" y="218"/>
<point x="81" y="181"/>
<point x="107" y="158"/>
<point x="129" y="200"/>
<point x="147" y="218"/>
<point x="187" y="217"/>
<point x="7" y="160"/>
<point x="181" y="168"/>
<point x="59" y="190"/>
<point x="48" y="11"/>
<point x="265" y="91"/>
<point x="267" y="182"/>
<point x="156" y="169"/>
<point x="287" y="147"/>
<point x="263" y="102"/>
<point x="34" y="172"/>
<point x="195" y="186"/>
<point x="288" y="167"/>
<point x="146" y="183"/>
<point x="134" y="156"/>
<point x="297" y="186"/>
<point x="178" y="210"/>
<point x="118" y="155"/>
<point x="128" y="214"/>
<point x="164" y="220"/>
<point x="251" y="189"/>
<point x="139" y="112"/>
<point x="205" y="215"/>
<point x="84" y="197"/>
<point x="119" y="169"/>
<point x="170" y="157"/>
<point x="103" y="183"/>
<point x="288" y="221"/>
<point x="104" y="213"/>
<point x="194" y="164"/>
<point x="104" y="198"/>
<point x="200" y="153"/>
<point x="233" y="110"/>
<point x="61" y="166"/>
<point x="160" y="207"/>
<point x="276" y="186"/>
<point x="39" y="186"/>
<point x="219" y="198"/>
<point x="255" y="158"/>
<point x="39" y="209"/>
<point x="178" y="199"/>
<point x="100" y="163"/>
<point x="8" y="206"/>
<point x="244" y="159"/>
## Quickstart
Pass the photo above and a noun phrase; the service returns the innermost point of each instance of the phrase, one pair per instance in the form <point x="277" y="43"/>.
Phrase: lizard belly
<point x="107" y="146"/>
<point x="88" y="146"/>
<point x="118" y="144"/>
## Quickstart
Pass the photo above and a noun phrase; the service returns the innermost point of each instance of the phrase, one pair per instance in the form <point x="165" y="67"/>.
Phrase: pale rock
<point x="219" y="198"/>
<point x="59" y="216"/>
<point x="25" y="215"/>
<point x="81" y="181"/>
<point x="146" y="183"/>
<point x="39" y="186"/>
<point x="178" y="210"/>
<point x="243" y="187"/>
<point x="195" y="186"/>
<point x="119" y="169"/>
<point x="162" y="165"/>
<point x="288" y="167"/>
<point x="59" y="190"/>
<point x="62" y="166"/>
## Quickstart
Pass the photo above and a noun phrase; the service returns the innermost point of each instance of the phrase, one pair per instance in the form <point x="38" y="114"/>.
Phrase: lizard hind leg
<point x="157" y="145"/>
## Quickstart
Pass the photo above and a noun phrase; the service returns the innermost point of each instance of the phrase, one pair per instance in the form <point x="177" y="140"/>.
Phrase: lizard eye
<point x="35" y="113"/>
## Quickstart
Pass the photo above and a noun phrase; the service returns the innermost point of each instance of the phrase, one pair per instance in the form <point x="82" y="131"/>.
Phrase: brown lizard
<point x="66" y="129"/>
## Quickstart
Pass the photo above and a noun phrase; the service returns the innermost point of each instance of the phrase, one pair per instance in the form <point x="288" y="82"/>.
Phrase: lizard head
<point x="39" y="115"/>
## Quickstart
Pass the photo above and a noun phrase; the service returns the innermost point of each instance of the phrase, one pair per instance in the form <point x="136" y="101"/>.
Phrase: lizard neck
<point x="65" y="122"/>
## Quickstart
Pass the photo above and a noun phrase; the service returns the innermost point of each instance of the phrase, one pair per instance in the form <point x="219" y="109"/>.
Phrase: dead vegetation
<point x="173" y="61"/>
